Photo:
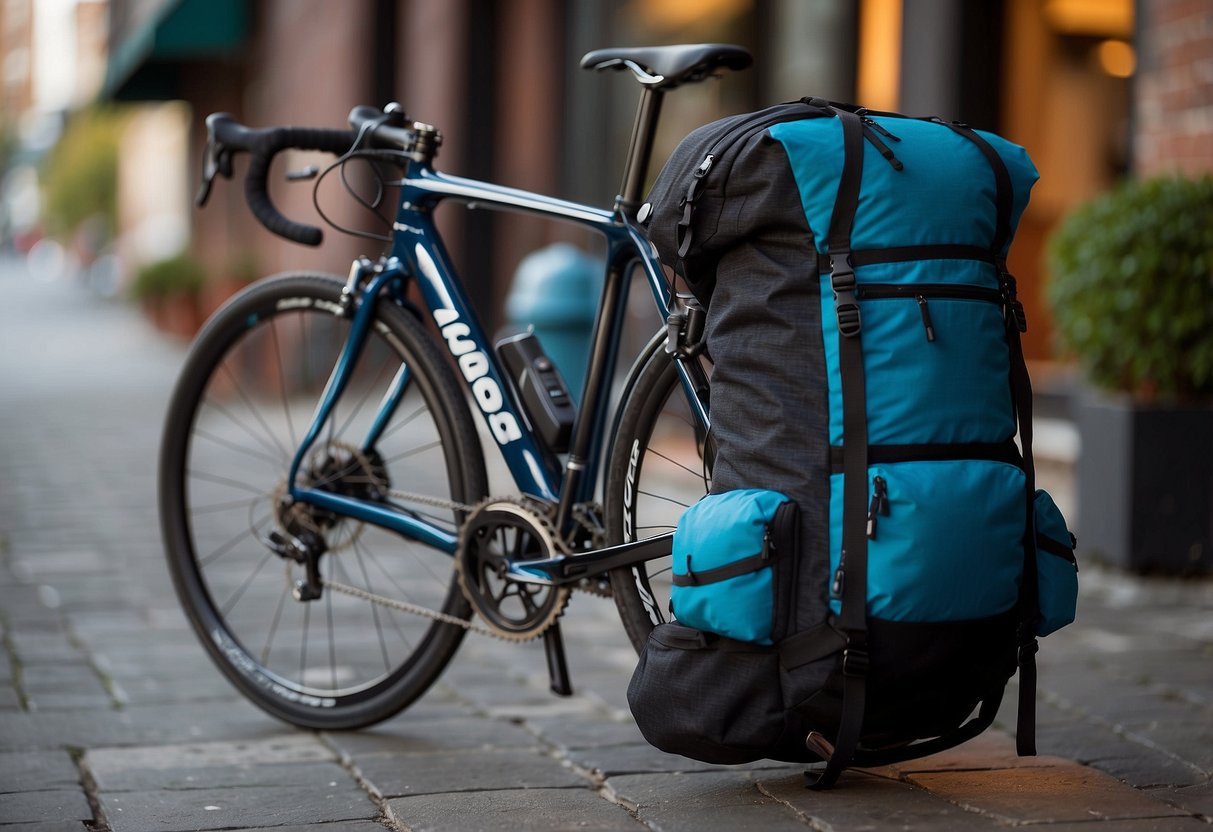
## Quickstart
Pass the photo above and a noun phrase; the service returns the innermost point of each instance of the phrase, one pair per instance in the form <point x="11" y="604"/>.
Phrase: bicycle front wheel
<point x="242" y="405"/>
<point x="659" y="464"/>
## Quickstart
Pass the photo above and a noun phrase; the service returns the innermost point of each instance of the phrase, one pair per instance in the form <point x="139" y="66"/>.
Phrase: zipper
<point x="837" y="585"/>
<point x="919" y="293"/>
<point x="882" y="291"/>
<point x="926" y="316"/>
<point x="879" y="504"/>
<point x="747" y="128"/>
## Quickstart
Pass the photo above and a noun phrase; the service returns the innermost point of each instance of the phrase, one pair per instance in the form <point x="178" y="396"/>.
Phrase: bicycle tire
<point x="245" y="395"/>
<point x="655" y="468"/>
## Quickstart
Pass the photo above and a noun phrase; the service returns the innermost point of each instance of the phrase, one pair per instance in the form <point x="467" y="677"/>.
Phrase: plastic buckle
<point x="1014" y="309"/>
<point x="846" y="302"/>
<point x="854" y="662"/>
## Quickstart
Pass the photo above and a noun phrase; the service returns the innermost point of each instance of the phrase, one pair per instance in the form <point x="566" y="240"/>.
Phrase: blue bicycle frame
<point x="418" y="254"/>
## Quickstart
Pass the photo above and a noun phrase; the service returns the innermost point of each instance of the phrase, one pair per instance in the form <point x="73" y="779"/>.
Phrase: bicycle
<point x="380" y="514"/>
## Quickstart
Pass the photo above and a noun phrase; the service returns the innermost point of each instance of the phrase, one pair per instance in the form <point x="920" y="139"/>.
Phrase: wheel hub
<point x="338" y="468"/>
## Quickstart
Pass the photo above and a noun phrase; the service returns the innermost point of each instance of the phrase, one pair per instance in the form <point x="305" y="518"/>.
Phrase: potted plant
<point x="169" y="291"/>
<point x="1132" y="293"/>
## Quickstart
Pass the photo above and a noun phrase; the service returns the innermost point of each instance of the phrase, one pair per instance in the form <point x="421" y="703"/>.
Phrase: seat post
<point x="640" y="148"/>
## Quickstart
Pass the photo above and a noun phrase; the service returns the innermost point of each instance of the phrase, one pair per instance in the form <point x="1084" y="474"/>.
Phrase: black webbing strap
<point x="1007" y="452"/>
<point x="853" y="563"/>
<point x="723" y="573"/>
<point x="1029" y="600"/>
<point x="975" y="726"/>
<point x="1021" y="394"/>
<point x="1004" y="194"/>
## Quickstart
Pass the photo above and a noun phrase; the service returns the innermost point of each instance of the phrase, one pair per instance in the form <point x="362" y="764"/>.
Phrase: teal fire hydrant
<point x="556" y="291"/>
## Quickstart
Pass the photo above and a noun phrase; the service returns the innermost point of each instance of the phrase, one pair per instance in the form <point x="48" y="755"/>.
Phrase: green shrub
<point x="1132" y="288"/>
<point x="81" y="172"/>
<point x="177" y="275"/>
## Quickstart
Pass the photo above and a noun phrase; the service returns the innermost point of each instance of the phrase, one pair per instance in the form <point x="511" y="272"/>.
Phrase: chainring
<point x="498" y="532"/>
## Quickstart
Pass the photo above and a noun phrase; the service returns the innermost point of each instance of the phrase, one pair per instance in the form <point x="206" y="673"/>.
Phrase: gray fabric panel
<point x="769" y="408"/>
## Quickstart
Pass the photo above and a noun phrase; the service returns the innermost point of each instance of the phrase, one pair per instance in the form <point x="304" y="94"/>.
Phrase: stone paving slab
<point x="702" y="800"/>
<point x="409" y="736"/>
<point x="862" y="801"/>
<point x="395" y="775"/>
<point x="183" y="811"/>
<point x="60" y="804"/>
<point x="37" y="770"/>
<point x="535" y="810"/>
<point x="46" y="826"/>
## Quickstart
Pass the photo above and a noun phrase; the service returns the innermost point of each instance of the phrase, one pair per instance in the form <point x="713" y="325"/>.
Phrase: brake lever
<point x="217" y="159"/>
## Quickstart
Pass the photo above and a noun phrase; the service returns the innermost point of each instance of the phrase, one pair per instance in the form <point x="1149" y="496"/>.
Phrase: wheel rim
<point x="665" y="473"/>
<point x="250" y="414"/>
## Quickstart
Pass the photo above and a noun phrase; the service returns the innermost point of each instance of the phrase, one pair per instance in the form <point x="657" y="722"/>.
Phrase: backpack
<point x="873" y="561"/>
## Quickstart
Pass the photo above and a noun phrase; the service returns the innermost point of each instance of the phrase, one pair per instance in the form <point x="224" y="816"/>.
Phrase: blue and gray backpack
<point x="873" y="562"/>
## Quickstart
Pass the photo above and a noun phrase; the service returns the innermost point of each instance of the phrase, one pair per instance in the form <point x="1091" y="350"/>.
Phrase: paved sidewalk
<point x="111" y="717"/>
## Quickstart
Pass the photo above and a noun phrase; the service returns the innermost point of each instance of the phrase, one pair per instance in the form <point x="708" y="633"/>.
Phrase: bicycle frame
<point x="418" y="254"/>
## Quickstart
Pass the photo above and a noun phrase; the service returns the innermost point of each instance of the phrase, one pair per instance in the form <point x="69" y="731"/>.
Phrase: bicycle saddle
<point x="666" y="67"/>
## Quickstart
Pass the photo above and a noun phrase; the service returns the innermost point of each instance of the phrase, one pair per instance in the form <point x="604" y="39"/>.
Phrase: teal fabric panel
<point x="944" y="195"/>
<point x="719" y="530"/>
<point x="949" y="548"/>
<point x="1022" y="172"/>
<point x="814" y="149"/>
<point x="952" y="389"/>
<point x="1056" y="577"/>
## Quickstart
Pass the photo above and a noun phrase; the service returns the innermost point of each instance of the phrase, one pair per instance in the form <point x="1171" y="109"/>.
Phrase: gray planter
<point x="1145" y="485"/>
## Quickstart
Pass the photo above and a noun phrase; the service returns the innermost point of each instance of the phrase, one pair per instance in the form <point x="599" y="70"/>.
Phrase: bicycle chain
<point x="426" y="612"/>
<point x="413" y="609"/>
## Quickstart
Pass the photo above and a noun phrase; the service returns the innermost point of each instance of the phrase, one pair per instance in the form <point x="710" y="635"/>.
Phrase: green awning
<point x="146" y="55"/>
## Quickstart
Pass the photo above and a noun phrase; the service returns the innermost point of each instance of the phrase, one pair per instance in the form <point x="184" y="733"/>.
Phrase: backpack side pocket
<point x="723" y="552"/>
<point x="1056" y="567"/>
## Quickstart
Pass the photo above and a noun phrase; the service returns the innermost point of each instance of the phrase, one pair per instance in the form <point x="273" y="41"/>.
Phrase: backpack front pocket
<point x="724" y="548"/>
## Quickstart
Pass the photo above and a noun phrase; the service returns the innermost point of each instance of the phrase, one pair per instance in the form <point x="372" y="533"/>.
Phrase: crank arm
<point x="568" y="569"/>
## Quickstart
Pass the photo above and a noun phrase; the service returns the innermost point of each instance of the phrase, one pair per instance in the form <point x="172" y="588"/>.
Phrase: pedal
<point x="558" y="667"/>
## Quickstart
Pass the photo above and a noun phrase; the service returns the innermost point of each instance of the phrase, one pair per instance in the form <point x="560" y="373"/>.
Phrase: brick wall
<point x="1173" y="109"/>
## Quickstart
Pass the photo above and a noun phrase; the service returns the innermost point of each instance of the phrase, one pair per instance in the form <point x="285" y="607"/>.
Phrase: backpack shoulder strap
<point x="851" y="580"/>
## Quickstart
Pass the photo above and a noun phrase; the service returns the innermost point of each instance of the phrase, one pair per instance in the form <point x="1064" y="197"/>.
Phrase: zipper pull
<point x="880" y="146"/>
<point x="704" y="166"/>
<point x="879" y="504"/>
<point x="880" y="129"/>
<point x="836" y="586"/>
<point x="926" y="317"/>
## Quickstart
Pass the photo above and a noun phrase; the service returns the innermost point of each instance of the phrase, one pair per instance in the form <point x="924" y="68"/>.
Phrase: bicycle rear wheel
<point x="659" y="464"/>
<point x="243" y="402"/>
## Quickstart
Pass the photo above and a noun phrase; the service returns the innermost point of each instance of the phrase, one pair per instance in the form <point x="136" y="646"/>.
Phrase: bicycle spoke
<point x="366" y="580"/>
<point x="437" y="443"/>
<point x="691" y="471"/>
<point x="230" y="544"/>
<point x="256" y="412"/>
<point x="269" y="637"/>
<point x="233" y="446"/>
<point x="286" y="408"/>
<point x="233" y="600"/>
<point x="403" y="422"/>
<point x="663" y="497"/>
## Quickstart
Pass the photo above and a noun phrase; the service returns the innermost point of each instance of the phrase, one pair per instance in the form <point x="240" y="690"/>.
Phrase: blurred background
<point x="102" y="105"/>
